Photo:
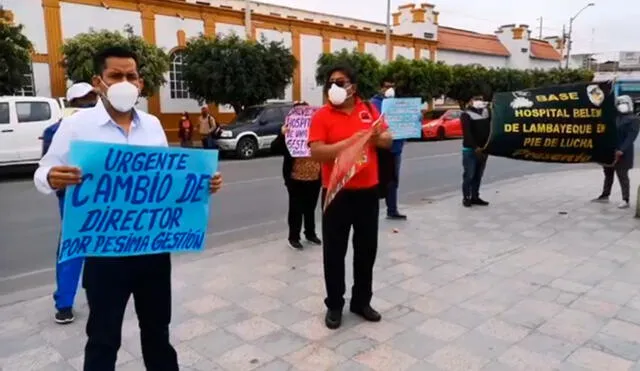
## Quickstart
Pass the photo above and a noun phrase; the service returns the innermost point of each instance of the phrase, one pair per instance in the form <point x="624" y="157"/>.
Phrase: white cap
<point x="78" y="90"/>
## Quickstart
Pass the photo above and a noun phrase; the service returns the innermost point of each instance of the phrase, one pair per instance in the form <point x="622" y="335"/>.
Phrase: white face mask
<point x="390" y="93"/>
<point x="478" y="104"/>
<point x="337" y="95"/>
<point x="122" y="96"/>
<point x="623" y="108"/>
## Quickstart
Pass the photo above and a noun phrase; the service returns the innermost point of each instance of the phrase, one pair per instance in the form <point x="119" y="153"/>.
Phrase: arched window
<point x="177" y="84"/>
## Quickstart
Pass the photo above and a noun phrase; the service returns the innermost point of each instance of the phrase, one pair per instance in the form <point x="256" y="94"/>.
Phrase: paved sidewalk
<point x="540" y="280"/>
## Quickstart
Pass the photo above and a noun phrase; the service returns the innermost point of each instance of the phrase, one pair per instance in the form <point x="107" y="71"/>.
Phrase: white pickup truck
<point x="22" y="122"/>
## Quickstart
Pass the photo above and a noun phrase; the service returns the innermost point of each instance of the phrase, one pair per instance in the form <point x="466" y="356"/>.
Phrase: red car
<point x="447" y="126"/>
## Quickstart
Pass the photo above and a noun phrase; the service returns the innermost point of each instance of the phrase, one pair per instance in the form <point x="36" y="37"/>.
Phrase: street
<point x="253" y="203"/>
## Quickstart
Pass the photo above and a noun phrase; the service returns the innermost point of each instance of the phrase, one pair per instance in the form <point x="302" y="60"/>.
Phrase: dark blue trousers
<point x="392" y="193"/>
<point x="67" y="273"/>
<point x="473" y="168"/>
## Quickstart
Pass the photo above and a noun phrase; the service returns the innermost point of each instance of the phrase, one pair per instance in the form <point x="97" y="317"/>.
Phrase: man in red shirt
<point x="342" y="121"/>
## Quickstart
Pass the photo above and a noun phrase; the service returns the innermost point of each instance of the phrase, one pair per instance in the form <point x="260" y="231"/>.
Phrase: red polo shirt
<point x="330" y="126"/>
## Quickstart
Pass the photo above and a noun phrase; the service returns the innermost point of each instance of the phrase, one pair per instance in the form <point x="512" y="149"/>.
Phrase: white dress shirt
<point x="96" y="125"/>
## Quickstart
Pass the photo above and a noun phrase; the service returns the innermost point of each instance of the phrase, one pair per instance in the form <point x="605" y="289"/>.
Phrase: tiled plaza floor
<point x="540" y="280"/>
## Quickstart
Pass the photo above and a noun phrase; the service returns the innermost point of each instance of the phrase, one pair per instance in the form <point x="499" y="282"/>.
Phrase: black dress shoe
<point x="367" y="313"/>
<point x="466" y="202"/>
<point x="314" y="240"/>
<point x="479" y="202"/>
<point x="333" y="319"/>
<point x="396" y="216"/>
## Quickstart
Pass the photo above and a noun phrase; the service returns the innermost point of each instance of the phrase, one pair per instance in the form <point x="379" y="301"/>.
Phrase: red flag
<point x="348" y="163"/>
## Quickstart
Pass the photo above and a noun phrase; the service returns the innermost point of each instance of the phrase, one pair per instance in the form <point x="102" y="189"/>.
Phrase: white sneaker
<point x="623" y="205"/>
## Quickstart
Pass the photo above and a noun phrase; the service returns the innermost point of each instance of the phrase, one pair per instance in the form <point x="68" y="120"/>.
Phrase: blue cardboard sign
<point x="136" y="200"/>
<point x="403" y="115"/>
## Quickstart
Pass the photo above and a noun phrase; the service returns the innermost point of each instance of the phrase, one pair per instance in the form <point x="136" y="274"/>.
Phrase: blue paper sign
<point x="136" y="200"/>
<point x="403" y="117"/>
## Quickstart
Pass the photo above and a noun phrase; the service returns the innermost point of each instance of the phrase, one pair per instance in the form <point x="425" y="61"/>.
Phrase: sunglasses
<point x="339" y="83"/>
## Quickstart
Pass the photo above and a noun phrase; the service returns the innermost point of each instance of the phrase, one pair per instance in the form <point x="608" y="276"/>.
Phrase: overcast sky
<point x="609" y="26"/>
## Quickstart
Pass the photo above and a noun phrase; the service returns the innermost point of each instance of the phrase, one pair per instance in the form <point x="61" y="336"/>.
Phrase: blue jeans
<point x="473" y="168"/>
<point x="67" y="274"/>
<point x="392" y="193"/>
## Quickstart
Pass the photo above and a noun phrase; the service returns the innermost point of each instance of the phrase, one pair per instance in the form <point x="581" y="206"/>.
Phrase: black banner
<point x="572" y="123"/>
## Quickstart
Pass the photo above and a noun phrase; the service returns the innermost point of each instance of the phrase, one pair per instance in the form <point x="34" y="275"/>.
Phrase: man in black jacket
<point x="627" y="125"/>
<point x="476" y="127"/>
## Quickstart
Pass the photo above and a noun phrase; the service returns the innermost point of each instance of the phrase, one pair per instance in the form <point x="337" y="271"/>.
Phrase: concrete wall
<point x="377" y="50"/>
<point x="453" y="57"/>
<point x="41" y="79"/>
<point x="339" y="44"/>
<point x="167" y="29"/>
<point x="519" y="48"/>
<point x="310" y="50"/>
<point x="78" y="18"/>
<point x="401" y="51"/>
<point x="543" y="64"/>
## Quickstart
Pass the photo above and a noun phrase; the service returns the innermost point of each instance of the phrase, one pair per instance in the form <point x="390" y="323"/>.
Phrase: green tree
<point x="79" y="52"/>
<point x="469" y="81"/>
<point x="366" y="66"/>
<point x="15" y="57"/>
<point x="229" y="70"/>
<point x="418" y="78"/>
<point x="507" y="79"/>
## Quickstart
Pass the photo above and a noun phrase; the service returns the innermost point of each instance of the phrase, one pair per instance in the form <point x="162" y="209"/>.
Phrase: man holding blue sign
<point x="387" y="90"/>
<point x="110" y="281"/>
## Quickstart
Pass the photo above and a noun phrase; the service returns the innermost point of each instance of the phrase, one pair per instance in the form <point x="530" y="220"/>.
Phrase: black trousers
<point x="303" y="199"/>
<point x="623" y="177"/>
<point x="358" y="209"/>
<point x="473" y="166"/>
<point x="109" y="282"/>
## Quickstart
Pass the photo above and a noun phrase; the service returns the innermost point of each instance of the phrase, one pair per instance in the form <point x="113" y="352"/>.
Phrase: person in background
<point x="79" y="96"/>
<point x="109" y="282"/>
<point x="185" y="131"/>
<point x="627" y="125"/>
<point x="476" y="127"/>
<point x="208" y="128"/>
<point x="302" y="179"/>
<point x="343" y="120"/>
<point x="387" y="90"/>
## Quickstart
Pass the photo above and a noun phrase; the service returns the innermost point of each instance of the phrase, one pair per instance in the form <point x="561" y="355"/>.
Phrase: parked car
<point x="22" y="122"/>
<point x="446" y="126"/>
<point x="254" y="129"/>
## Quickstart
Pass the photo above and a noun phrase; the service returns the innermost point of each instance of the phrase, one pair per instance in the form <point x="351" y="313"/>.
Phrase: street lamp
<point x="388" y="32"/>
<point x="571" y="30"/>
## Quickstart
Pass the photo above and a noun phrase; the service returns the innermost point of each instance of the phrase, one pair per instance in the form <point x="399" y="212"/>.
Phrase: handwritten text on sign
<point x="297" y="136"/>
<point x="403" y="117"/>
<point x="136" y="200"/>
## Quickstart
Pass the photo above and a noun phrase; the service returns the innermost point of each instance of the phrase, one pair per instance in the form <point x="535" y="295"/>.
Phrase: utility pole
<point x="571" y="30"/>
<point x="389" y="52"/>
<point x="540" y="26"/>
<point x="247" y="19"/>
<point x="564" y="44"/>
<point x="566" y="65"/>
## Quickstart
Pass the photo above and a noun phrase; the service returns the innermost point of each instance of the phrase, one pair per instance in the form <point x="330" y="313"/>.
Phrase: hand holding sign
<point x="296" y="130"/>
<point x="60" y="177"/>
<point x="215" y="183"/>
<point x="403" y="116"/>
<point x="137" y="200"/>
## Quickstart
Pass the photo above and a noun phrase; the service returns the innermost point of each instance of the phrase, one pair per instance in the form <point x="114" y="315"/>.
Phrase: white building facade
<point x="171" y="23"/>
